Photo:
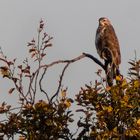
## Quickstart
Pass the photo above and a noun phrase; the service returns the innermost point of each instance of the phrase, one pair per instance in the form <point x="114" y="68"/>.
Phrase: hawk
<point x="107" y="46"/>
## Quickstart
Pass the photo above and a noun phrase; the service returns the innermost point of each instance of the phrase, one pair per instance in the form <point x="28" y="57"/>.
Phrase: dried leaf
<point x="26" y="71"/>
<point x="133" y="73"/>
<point x="48" y="45"/>
<point x="41" y="26"/>
<point x="70" y="100"/>
<point x="10" y="63"/>
<point x="33" y="40"/>
<point x="43" y="54"/>
<point x="11" y="90"/>
<point x="28" y="76"/>
<point x="132" y="63"/>
<point x="63" y="93"/>
<point x="5" y="71"/>
<point x="32" y="50"/>
<point x="87" y="86"/>
<point x="3" y="104"/>
<point x="20" y="66"/>
<point x="8" y="107"/>
<point x="108" y="88"/>
<point x="80" y="110"/>
<point x="22" y="138"/>
<point x="15" y="79"/>
<point x="14" y="60"/>
<point x="30" y="44"/>
<point x="33" y="54"/>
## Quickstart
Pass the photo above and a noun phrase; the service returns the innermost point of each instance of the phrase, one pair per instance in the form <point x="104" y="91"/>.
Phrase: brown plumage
<point x="107" y="46"/>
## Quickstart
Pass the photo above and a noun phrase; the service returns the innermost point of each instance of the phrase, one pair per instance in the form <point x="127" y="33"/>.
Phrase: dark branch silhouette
<point x="95" y="60"/>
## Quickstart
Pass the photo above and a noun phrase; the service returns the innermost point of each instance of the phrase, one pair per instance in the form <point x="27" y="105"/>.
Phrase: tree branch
<point x="95" y="60"/>
<point x="66" y="66"/>
<point x="60" y="81"/>
<point x="40" y="84"/>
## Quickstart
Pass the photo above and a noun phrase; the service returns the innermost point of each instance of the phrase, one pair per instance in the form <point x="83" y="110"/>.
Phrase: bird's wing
<point x="110" y="41"/>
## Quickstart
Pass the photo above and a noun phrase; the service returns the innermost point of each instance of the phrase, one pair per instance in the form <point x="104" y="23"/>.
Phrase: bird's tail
<point x="111" y="74"/>
<point x="109" y="77"/>
<point x="116" y="71"/>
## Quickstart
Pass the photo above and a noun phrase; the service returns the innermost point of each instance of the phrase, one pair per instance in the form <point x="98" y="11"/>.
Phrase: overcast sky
<point x="73" y="25"/>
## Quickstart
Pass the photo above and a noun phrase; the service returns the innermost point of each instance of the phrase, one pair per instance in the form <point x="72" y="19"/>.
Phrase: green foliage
<point x="105" y="112"/>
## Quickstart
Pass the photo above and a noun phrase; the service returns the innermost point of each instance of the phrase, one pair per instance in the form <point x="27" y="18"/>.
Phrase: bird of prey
<point x="107" y="46"/>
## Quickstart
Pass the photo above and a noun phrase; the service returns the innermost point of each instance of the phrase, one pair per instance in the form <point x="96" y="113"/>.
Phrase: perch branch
<point x="95" y="60"/>
<point x="66" y="66"/>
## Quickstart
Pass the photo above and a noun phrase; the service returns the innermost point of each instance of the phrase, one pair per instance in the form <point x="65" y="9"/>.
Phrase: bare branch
<point x="1" y="59"/>
<point x="95" y="60"/>
<point x="35" y="85"/>
<point x="68" y="62"/>
<point x="40" y="84"/>
<point x="60" y="81"/>
<point x="62" y="61"/>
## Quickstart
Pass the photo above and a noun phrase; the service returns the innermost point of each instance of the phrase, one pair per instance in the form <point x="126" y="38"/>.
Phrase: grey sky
<point x="73" y="24"/>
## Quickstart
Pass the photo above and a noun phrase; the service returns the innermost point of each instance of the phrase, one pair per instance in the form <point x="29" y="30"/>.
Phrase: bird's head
<point x="103" y="21"/>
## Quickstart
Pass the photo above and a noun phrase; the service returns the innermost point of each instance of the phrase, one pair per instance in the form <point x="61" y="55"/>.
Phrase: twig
<point x="1" y="59"/>
<point x="40" y="85"/>
<point x="35" y="85"/>
<point x="19" y="89"/>
<point x="60" y="81"/>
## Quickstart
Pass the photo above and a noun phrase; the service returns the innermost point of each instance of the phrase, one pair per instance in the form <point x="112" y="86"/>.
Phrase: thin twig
<point x="1" y="59"/>
<point x="35" y="85"/>
<point x="40" y="84"/>
<point x="19" y="89"/>
<point x="60" y="82"/>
